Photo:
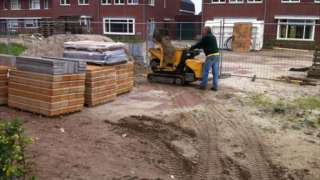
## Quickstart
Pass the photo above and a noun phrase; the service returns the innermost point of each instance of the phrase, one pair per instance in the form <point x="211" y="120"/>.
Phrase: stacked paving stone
<point x="47" y="87"/>
<point x="100" y="85"/>
<point x="125" y="77"/>
<point x="4" y="85"/>
<point x="314" y="71"/>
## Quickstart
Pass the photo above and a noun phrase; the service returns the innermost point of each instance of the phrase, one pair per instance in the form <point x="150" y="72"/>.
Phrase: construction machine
<point x="181" y="67"/>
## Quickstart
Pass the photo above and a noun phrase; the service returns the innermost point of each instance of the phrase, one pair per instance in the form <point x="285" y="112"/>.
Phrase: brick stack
<point x="100" y="85"/>
<point x="314" y="71"/>
<point x="125" y="77"/>
<point x="47" y="87"/>
<point x="242" y="34"/>
<point x="3" y="85"/>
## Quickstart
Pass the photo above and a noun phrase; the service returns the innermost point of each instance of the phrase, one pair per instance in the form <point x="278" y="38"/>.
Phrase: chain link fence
<point x="274" y="48"/>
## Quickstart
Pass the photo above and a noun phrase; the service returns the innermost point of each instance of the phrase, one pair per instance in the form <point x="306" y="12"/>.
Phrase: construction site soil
<point x="169" y="132"/>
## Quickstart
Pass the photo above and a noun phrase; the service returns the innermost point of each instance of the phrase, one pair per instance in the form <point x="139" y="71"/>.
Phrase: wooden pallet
<point x="49" y="95"/>
<point x="4" y="85"/>
<point x="100" y="85"/>
<point x="125" y="78"/>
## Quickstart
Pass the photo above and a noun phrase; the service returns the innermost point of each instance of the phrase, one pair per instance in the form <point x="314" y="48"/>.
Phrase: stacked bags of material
<point x="102" y="53"/>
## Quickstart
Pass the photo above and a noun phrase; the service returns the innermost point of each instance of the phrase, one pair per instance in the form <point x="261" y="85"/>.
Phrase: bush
<point x="12" y="49"/>
<point x="12" y="146"/>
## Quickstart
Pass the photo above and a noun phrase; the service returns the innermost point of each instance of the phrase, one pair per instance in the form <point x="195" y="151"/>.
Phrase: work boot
<point x="214" y="89"/>
<point x="201" y="87"/>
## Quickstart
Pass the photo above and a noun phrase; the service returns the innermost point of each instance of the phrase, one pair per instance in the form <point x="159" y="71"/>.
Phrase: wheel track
<point x="212" y="162"/>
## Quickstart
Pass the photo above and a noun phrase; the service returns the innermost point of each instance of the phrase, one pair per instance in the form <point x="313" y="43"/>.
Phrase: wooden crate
<point x="100" y="85"/>
<point x="49" y="95"/>
<point x="4" y="85"/>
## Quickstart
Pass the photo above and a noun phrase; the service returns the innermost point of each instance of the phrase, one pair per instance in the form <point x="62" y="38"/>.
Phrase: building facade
<point x="285" y="23"/>
<point x="110" y="17"/>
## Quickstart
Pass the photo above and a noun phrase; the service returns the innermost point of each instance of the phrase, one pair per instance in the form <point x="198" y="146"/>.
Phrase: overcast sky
<point x="198" y="5"/>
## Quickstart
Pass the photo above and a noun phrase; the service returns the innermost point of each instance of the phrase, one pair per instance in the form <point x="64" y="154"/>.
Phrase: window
<point x="12" y="24"/>
<point x="106" y="2"/>
<point x="119" y="26"/>
<point x="31" y="23"/>
<point x="218" y="1"/>
<point x="290" y="1"/>
<point x="15" y="4"/>
<point x="34" y="4"/>
<point x="235" y="1"/>
<point x="293" y="29"/>
<point x="133" y="2"/>
<point x="83" y="2"/>
<point x="254" y="1"/>
<point x="119" y="2"/>
<point x="317" y="1"/>
<point x="46" y="4"/>
<point x="151" y="2"/>
<point x="64" y="2"/>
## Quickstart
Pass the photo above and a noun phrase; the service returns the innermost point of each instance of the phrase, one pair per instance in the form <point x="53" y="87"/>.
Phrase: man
<point x="209" y="44"/>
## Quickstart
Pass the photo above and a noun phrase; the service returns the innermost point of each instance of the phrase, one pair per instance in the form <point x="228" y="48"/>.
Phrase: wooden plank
<point x="100" y="94"/>
<point x="47" y="77"/>
<point x="101" y="89"/>
<point x="99" y="101"/>
<point x="46" y="84"/>
<point x="3" y="100"/>
<point x="49" y="113"/>
<point x="47" y="91"/>
<point x="46" y="105"/>
<point x="3" y="91"/>
<point x="3" y="77"/>
<point x="100" y="83"/>
<point x="46" y="98"/>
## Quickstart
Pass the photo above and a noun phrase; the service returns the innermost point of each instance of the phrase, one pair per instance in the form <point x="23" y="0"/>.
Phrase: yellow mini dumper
<point x="183" y="69"/>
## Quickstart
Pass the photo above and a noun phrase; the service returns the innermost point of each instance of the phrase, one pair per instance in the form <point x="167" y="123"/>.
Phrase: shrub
<point x="12" y="146"/>
<point x="12" y="49"/>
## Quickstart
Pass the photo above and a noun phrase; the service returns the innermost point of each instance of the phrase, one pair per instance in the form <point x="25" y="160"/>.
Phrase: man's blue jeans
<point x="211" y="61"/>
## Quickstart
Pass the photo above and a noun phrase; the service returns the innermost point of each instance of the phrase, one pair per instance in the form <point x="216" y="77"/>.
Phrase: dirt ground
<point x="170" y="132"/>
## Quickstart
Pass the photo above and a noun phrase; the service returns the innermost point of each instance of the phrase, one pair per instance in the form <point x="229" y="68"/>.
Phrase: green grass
<point x="308" y="103"/>
<point x="12" y="49"/>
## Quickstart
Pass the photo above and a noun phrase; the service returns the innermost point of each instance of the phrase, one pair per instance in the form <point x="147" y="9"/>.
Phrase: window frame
<point x="305" y="23"/>
<point x="290" y="1"/>
<point x="9" y="23"/>
<point x="109" y="19"/>
<point x="119" y="2"/>
<point x="108" y="2"/>
<point x="317" y="1"/>
<point x="254" y="1"/>
<point x="34" y="22"/>
<point x="236" y="1"/>
<point x="46" y="4"/>
<point x="219" y="2"/>
<point x="83" y="4"/>
<point x="18" y="3"/>
<point x="31" y="4"/>
<point x="133" y="3"/>
<point x="64" y="3"/>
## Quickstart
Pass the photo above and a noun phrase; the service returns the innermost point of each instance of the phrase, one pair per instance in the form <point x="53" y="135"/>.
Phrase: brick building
<point x="110" y="17"/>
<point x="286" y="23"/>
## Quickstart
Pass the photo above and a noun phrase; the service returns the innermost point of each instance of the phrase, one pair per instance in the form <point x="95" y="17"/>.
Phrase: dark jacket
<point x="208" y="43"/>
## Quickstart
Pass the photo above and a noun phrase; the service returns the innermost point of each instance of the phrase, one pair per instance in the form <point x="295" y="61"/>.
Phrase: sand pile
<point x="162" y="36"/>
<point x="53" y="46"/>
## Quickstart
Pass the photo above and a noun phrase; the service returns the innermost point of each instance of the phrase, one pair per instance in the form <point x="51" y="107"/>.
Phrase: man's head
<point x="206" y="30"/>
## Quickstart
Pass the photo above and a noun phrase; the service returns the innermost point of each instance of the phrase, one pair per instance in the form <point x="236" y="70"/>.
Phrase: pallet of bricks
<point x="6" y="63"/>
<point x="314" y="71"/>
<point x="47" y="87"/>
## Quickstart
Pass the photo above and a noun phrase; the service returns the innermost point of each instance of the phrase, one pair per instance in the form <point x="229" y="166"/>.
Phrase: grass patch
<point x="302" y="110"/>
<point x="12" y="49"/>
